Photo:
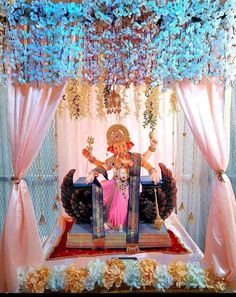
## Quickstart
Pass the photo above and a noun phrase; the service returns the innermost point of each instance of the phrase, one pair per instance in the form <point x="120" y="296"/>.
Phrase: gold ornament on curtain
<point x="181" y="207"/>
<point x="54" y="206"/>
<point x="191" y="218"/>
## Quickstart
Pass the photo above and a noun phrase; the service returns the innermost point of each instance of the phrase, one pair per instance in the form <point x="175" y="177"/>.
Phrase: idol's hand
<point x="91" y="176"/>
<point x="154" y="175"/>
<point x="153" y="142"/>
<point x="86" y="153"/>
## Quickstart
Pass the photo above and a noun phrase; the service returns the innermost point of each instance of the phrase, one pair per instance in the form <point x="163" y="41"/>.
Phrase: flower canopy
<point x="114" y="45"/>
<point x="122" y="42"/>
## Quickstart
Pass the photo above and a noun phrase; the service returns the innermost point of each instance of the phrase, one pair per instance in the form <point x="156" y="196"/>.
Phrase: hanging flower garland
<point x="3" y="29"/>
<point x="114" y="45"/>
<point x="43" y="41"/>
<point x="140" y="41"/>
<point x="151" y="112"/>
<point x="116" y="273"/>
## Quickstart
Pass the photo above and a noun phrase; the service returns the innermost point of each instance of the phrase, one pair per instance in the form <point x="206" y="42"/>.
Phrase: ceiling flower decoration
<point x="133" y="42"/>
<point x="116" y="44"/>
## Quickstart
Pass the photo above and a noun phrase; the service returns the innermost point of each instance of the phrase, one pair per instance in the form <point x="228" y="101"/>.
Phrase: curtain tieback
<point x="219" y="174"/>
<point x="16" y="180"/>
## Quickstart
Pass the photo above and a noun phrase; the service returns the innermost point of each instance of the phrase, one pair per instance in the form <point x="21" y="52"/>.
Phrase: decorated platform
<point x="80" y="236"/>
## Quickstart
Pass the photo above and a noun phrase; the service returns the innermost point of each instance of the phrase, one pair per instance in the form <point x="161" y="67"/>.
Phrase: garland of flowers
<point x="151" y="112"/>
<point x="44" y="40"/>
<point x="117" y="273"/>
<point x="3" y="27"/>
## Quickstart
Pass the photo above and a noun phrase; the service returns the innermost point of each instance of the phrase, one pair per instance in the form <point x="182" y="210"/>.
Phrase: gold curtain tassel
<point x="54" y="207"/>
<point x="181" y="207"/>
<point x="219" y="174"/>
<point x="191" y="218"/>
<point x="42" y="220"/>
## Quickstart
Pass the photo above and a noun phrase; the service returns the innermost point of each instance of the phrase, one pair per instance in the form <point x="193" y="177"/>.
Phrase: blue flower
<point x="196" y="276"/>
<point x="56" y="280"/>
<point x="163" y="280"/>
<point x="132" y="276"/>
<point x="95" y="274"/>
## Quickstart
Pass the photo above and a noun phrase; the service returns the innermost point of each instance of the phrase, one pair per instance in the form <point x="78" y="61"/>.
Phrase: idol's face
<point x="120" y="148"/>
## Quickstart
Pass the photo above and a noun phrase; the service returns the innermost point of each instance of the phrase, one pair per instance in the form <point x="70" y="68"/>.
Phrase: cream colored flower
<point x="113" y="273"/>
<point x="213" y="282"/>
<point x="179" y="272"/>
<point x="147" y="268"/>
<point x="74" y="279"/>
<point x="36" y="280"/>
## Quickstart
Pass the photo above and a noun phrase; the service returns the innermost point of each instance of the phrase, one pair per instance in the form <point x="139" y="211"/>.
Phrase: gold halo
<point x="121" y="132"/>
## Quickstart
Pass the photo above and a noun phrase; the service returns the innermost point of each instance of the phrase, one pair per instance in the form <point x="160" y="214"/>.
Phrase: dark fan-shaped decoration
<point x="78" y="202"/>
<point x="166" y="197"/>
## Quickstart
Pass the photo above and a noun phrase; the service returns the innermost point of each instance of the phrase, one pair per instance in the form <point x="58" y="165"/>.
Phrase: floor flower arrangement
<point x="117" y="274"/>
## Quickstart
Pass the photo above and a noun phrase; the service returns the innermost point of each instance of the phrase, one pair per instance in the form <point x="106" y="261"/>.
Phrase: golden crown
<point x="117" y="133"/>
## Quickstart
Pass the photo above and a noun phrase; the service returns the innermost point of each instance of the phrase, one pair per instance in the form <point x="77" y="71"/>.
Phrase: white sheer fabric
<point x="203" y="105"/>
<point x="30" y="111"/>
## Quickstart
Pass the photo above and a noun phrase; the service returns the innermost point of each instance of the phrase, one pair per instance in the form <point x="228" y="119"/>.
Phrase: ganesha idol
<point x="116" y="206"/>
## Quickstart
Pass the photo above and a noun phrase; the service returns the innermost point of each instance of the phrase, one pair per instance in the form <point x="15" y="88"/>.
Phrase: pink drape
<point x="30" y="111"/>
<point x="203" y="105"/>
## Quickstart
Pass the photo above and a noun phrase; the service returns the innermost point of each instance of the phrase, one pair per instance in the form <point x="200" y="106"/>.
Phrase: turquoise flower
<point x="196" y="276"/>
<point x="163" y="280"/>
<point x="95" y="274"/>
<point x="132" y="276"/>
<point x="56" y="280"/>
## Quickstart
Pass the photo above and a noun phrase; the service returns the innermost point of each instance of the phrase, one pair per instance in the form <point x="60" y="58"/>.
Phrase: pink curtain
<point x="203" y="105"/>
<point x="30" y="110"/>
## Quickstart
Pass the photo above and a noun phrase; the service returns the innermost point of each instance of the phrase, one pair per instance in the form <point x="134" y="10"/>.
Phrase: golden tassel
<point x="159" y="222"/>
<point x="42" y="220"/>
<point x="191" y="218"/>
<point x="181" y="207"/>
